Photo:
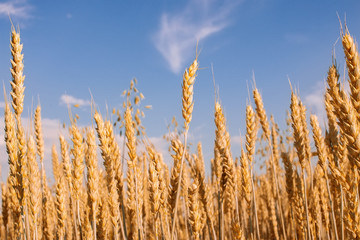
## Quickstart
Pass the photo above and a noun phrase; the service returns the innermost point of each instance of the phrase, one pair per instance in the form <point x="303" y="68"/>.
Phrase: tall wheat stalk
<point x="187" y="109"/>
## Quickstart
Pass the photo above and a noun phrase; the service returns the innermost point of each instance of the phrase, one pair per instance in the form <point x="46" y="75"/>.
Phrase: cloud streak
<point x="179" y="32"/>
<point x="66" y="99"/>
<point x="15" y="9"/>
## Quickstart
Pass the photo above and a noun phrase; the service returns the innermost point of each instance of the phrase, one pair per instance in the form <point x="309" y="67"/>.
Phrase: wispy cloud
<point x="179" y="32"/>
<point x="237" y="141"/>
<point x="314" y="101"/>
<point x="15" y="9"/>
<point x="71" y="100"/>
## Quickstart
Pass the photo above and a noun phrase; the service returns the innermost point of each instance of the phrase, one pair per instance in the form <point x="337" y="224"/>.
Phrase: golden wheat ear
<point x="92" y="177"/>
<point x="17" y="67"/>
<point x="188" y="92"/>
<point x="34" y="186"/>
<point x="261" y="113"/>
<point x="353" y="65"/>
<point x="60" y="207"/>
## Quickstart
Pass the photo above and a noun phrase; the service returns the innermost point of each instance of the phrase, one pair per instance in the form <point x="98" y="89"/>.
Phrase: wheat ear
<point x="251" y="132"/>
<point x="34" y="186"/>
<point x="47" y="223"/>
<point x="60" y="207"/>
<point x="331" y="135"/>
<point x="57" y="171"/>
<point x="246" y="179"/>
<point x="352" y="217"/>
<point x="237" y="232"/>
<point x="346" y="114"/>
<point x="113" y="197"/>
<point x="133" y="204"/>
<point x="22" y="172"/>
<point x="188" y="92"/>
<point x="17" y="66"/>
<point x="220" y="143"/>
<point x="175" y="179"/>
<point x="17" y="94"/>
<point x="204" y="195"/>
<point x="187" y="109"/>
<point x="194" y="210"/>
<point x="220" y="129"/>
<point x="5" y="208"/>
<point x="78" y="169"/>
<point x="154" y="192"/>
<point x="322" y="155"/>
<point x="353" y="66"/>
<point x="260" y="110"/>
<point x="103" y="213"/>
<point x="92" y="177"/>
<point x="11" y="149"/>
<point x="65" y="162"/>
<point x="66" y="165"/>
<point x="38" y="133"/>
<point x="299" y="142"/>
<point x="289" y="177"/>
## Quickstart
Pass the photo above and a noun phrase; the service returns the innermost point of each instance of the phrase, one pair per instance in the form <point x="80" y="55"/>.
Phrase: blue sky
<point x="71" y="47"/>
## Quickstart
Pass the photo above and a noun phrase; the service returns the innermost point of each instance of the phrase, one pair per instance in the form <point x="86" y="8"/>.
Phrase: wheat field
<point x="309" y="189"/>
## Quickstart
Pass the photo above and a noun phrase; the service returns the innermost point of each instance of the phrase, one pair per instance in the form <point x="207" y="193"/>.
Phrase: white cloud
<point x="236" y="141"/>
<point x="66" y="99"/>
<point x="15" y="9"/>
<point x="179" y="32"/>
<point x="314" y="101"/>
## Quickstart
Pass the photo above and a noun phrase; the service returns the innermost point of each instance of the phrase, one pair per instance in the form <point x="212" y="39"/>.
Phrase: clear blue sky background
<point x="73" y="46"/>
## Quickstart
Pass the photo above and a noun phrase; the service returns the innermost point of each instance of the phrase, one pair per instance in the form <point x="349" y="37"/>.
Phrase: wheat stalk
<point x="187" y="109"/>
<point x="104" y="135"/>
<point x="261" y="113"/>
<point x="322" y="155"/>
<point x="78" y="169"/>
<point x="11" y="149"/>
<point x="34" y="186"/>
<point x="60" y="208"/>
<point x="92" y="178"/>
<point x="300" y="145"/>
